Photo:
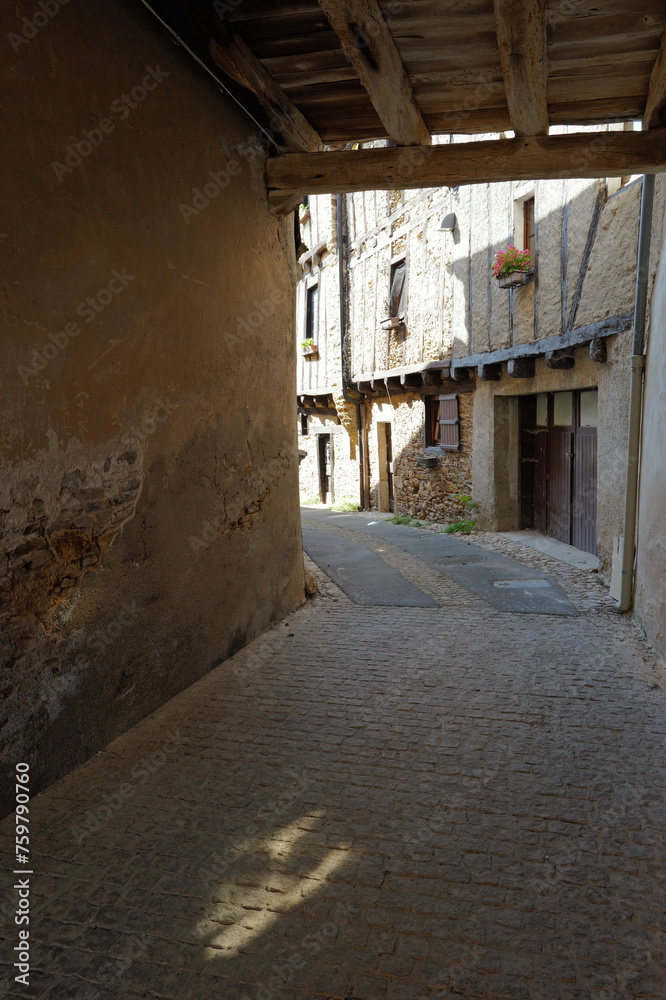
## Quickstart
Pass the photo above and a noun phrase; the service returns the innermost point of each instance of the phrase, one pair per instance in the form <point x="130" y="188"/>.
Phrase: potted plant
<point x="303" y="213"/>
<point x="513" y="267"/>
<point x="308" y="347"/>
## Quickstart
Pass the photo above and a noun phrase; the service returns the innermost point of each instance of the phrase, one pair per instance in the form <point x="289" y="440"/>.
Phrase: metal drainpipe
<point x="637" y="362"/>
<point x="339" y="205"/>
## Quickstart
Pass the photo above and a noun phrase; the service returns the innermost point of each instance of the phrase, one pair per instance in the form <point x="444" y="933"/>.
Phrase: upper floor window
<point x="312" y="312"/>
<point x="397" y="290"/>
<point x="442" y="428"/>
<point x="529" y="227"/>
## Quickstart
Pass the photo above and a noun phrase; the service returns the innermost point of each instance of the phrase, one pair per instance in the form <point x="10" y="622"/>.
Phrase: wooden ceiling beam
<point x="656" y="99"/>
<point x="587" y="154"/>
<point x="370" y="48"/>
<point x="521" y="38"/>
<point x="286" y="121"/>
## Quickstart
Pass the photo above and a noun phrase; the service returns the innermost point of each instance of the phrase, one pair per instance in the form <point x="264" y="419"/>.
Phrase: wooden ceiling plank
<point x="587" y="154"/>
<point x="239" y="63"/>
<point x="656" y="99"/>
<point x="521" y="39"/>
<point x="369" y="46"/>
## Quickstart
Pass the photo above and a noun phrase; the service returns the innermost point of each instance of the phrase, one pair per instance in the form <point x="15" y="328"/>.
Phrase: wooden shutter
<point x="449" y="423"/>
<point x="398" y="275"/>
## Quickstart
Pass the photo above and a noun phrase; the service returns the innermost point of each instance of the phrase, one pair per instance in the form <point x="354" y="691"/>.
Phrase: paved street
<point x="432" y="802"/>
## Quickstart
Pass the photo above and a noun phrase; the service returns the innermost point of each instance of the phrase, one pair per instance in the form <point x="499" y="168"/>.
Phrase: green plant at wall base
<point x="345" y="505"/>
<point x="464" y="524"/>
<point x="406" y="519"/>
<point x="308" y="343"/>
<point x="310" y="501"/>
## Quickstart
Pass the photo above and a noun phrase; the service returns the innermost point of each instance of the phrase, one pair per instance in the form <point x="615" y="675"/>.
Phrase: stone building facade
<point x="559" y="343"/>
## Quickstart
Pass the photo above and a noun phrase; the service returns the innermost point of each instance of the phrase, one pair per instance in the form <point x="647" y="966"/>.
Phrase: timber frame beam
<point x="587" y="154"/>
<point x="521" y="39"/>
<point x="368" y="44"/>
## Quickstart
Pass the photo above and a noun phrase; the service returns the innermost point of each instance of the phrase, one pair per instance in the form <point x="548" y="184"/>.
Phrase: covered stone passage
<point x="149" y="520"/>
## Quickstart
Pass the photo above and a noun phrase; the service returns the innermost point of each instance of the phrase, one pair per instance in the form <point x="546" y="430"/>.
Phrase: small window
<point x="397" y="291"/>
<point x="542" y="409"/>
<point x="529" y="227"/>
<point x="442" y="422"/>
<point x="563" y="409"/>
<point x="312" y="313"/>
<point x="304" y="424"/>
<point x="589" y="401"/>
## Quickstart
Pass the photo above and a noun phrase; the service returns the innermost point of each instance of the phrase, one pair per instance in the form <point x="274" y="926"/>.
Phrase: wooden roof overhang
<point x="318" y="74"/>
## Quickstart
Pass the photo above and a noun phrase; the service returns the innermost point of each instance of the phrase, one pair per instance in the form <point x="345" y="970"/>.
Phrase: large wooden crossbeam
<point x="521" y="38"/>
<point x="588" y="154"/>
<point x="369" y="46"/>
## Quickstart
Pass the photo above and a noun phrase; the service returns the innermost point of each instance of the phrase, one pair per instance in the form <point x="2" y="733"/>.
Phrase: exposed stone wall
<point x="148" y="497"/>
<point x="426" y="493"/>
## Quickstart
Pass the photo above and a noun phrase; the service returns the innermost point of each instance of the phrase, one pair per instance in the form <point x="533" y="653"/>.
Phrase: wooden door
<point x="389" y="466"/>
<point x="324" y="444"/>
<point x="584" y="509"/>
<point x="558" y="471"/>
<point x="560" y="465"/>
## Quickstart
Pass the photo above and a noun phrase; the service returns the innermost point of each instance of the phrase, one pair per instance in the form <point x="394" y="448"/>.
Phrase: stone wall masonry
<point x="421" y="492"/>
<point x="149" y="488"/>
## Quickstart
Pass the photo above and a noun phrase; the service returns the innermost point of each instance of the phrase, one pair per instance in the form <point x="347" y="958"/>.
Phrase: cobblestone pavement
<point x="371" y="804"/>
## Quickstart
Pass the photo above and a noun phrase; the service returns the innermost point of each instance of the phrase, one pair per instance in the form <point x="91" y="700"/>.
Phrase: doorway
<point x="558" y="466"/>
<point x="385" y="449"/>
<point x="324" y="461"/>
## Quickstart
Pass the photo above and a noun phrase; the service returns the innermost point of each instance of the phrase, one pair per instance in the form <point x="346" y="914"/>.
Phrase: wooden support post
<point x="489" y="373"/>
<point x="520" y="368"/>
<point x="560" y="360"/>
<point x="598" y="351"/>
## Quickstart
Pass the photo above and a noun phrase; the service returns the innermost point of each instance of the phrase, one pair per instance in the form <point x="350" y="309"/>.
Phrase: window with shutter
<point x="442" y="422"/>
<point x="396" y="297"/>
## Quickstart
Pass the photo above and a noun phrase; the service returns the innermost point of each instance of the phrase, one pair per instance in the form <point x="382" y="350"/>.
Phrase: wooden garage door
<point x="559" y="466"/>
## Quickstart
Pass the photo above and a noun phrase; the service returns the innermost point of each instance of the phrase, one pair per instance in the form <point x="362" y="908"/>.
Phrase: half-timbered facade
<point x="517" y="396"/>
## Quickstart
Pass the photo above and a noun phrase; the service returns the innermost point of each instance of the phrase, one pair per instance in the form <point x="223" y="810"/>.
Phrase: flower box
<point x="514" y="279"/>
<point x="309" y="351"/>
<point x="513" y="267"/>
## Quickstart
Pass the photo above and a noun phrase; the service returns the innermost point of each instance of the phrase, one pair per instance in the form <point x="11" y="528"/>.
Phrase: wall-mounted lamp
<point x="448" y="223"/>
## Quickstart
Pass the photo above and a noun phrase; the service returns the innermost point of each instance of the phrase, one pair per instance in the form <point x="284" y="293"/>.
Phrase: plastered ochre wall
<point x="148" y="498"/>
<point x="650" y="600"/>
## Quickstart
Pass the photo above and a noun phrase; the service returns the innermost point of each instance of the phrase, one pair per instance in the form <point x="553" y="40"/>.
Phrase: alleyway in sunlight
<point x="455" y="794"/>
